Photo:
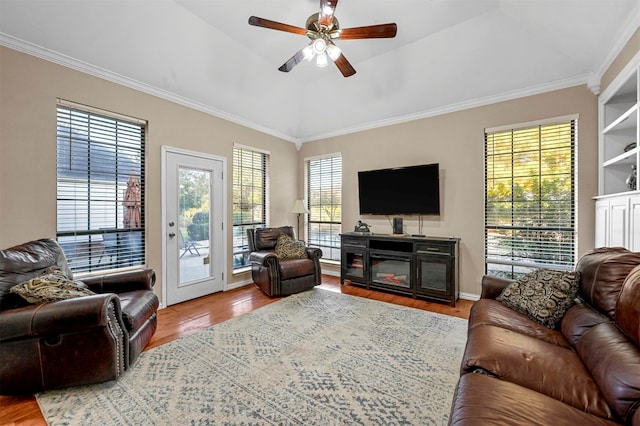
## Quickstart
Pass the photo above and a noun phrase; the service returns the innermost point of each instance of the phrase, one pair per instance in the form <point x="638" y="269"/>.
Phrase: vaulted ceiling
<point x="448" y="54"/>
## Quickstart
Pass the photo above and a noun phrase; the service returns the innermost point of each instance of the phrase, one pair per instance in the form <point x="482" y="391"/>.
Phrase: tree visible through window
<point x="100" y="189"/>
<point x="530" y="199"/>
<point x="324" y="198"/>
<point x="249" y="200"/>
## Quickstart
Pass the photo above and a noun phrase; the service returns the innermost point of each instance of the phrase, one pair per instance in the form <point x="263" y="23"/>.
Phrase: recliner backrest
<point x="24" y="262"/>
<point x="628" y="306"/>
<point x="266" y="238"/>
<point x="611" y="354"/>
<point x="602" y="272"/>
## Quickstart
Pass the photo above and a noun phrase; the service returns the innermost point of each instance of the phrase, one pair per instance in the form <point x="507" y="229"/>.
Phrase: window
<point x="324" y="198"/>
<point x="530" y="199"/>
<point x="249" y="199"/>
<point x="100" y="189"/>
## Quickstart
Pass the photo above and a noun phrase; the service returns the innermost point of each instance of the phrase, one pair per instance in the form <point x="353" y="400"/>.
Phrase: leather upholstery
<point x="71" y="342"/>
<point x="482" y="400"/>
<point x="587" y="371"/>
<point x="281" y="277"/>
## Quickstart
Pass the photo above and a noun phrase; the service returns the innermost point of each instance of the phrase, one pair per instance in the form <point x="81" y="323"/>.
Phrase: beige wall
<point x="456" y="141"/>
<point x="29" y="88"/>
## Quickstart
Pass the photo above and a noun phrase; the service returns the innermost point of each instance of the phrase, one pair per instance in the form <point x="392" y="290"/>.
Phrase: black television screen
<point x="400" y="190"/>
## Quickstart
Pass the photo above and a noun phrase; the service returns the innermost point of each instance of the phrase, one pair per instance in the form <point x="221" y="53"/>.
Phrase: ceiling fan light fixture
<point x="322" y="29"/>
<point x="334" y="52"/>
<point x="308" y="53"/>
<point x="319" y="46"/>
<point x="322" y="60"/>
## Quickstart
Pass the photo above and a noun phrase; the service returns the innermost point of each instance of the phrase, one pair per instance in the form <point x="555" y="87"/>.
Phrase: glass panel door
<point x="194" y="210"/>
<point x="194" y="235"/>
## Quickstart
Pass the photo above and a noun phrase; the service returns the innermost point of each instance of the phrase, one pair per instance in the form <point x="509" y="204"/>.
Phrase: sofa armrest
<point x="122" y="282"/>
<point x="64" y="316"/>
<point x="493" y="286"/>
<point x="314" y="252"/>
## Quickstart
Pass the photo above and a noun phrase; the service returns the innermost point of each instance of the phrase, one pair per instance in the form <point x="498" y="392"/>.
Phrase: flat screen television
<point x="400" y="190"/>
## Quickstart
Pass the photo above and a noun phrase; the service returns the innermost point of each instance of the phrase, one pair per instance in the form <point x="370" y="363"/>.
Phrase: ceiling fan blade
<point x="327" y="9"/>
<point x="293" y="61"/>
<point x="266" y="23"/>
<point x="340" y="60"/>
<point x="344" y="66"/>
<point x="372" y="31"/>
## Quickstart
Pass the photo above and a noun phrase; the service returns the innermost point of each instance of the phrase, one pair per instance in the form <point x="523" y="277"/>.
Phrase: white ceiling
<point x="448" y="54"/>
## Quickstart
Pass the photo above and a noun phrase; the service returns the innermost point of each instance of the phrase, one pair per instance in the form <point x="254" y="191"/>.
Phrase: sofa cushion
<point x="579" y="319"/>
<point x="492" y="312"/>
<point x="602" y="273"/>
<point x="487" y="401"/>
<point x="289" y="248"/>
<point x="294" y="268"/>
<point x="552" y="370"/>
<point x="614" y="363"/>
<point x="51" y="286"/>
<point x="628" y="306"/>
<point x="543" y="295"/>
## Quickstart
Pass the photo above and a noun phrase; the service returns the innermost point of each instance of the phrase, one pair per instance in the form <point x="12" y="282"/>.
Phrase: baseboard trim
<point x="237" y="284"/>
<point x="469" y="296"/>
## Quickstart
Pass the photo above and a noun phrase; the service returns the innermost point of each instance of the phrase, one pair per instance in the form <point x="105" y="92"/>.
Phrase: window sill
<point x="242" y="270"/>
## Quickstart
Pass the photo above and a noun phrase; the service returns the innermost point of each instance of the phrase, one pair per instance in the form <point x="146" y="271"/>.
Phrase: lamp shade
<point x="299" y="207"/>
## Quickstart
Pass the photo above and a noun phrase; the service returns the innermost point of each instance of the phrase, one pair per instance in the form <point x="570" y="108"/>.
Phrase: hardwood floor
<point x="188" y="317"/>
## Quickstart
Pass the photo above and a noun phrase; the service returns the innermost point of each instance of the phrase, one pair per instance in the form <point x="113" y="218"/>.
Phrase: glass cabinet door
<point x="434" y="274"/>
<point x="354" y="265"/>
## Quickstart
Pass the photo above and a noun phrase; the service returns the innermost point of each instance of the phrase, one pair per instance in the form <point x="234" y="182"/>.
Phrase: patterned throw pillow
<point x="289" y="248"/>
<point x="544" y="295"/>
<point x="51" y="286"/>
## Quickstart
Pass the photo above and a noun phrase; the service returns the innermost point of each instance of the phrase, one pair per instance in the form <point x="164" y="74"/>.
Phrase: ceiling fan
<point x="323" y="28"/>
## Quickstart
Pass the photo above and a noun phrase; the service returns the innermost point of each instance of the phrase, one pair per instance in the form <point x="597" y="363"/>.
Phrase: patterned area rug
<point x="315" y="358"/>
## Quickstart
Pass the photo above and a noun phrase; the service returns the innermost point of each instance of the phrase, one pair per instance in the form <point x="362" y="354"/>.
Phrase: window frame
<point x="101" y="157"/>
<point x="239" y="230"/>
<point x="330" y="247"/>
<point x="559" y="255"/>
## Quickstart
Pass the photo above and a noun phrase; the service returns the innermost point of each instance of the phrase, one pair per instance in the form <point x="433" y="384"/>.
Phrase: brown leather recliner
<point x="71" y="342"/>
<point x="281" y="277"/>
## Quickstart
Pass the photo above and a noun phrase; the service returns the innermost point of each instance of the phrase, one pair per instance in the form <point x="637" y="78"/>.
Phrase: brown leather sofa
<point x="78" y="341"/>
<point x="281" y="277"/>
<point x="517" y="372"/>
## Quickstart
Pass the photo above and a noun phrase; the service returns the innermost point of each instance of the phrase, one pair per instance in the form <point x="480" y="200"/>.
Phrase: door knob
<point x="171" y="223"/>
<point x="172" y="234"/>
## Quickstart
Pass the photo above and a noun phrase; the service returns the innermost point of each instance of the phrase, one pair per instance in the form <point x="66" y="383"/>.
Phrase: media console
<point x="425" y="267"/>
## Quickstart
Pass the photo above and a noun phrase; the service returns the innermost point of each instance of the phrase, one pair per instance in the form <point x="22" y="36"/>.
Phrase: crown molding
<point x="84" y="67"/>
<point x="507" y="96"/>
<point x="623" y="36"/>
<point x="69" y="62"/>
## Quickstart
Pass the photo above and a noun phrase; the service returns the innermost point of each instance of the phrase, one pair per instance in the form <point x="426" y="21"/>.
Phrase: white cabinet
<point x="618" y="203"/>
<point x="634" y="222"/>
<point x="618" y="222"/>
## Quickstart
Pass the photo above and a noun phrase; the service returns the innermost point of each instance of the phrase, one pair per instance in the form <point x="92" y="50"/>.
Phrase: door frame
<point x="163" y="209"/>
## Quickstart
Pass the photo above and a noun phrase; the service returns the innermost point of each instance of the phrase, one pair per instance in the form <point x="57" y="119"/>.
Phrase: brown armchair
<point x="281" y="277"/>
<point x="78" y="341"/>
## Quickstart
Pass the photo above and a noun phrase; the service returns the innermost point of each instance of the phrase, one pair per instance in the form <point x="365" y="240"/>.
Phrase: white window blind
<point x="530" y="199"/>
<point x="249" y="199"/>
<point x="100" y="190"/>
<point x="324" y="199"/>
